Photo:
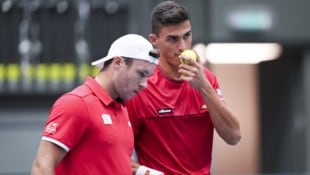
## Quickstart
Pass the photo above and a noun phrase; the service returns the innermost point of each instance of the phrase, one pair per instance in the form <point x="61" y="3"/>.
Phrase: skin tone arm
<point x="224" y="121"/>
<point x="48" y="156"/>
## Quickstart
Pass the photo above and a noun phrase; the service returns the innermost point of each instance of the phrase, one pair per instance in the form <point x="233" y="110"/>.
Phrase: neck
<point x="104" y="80"/>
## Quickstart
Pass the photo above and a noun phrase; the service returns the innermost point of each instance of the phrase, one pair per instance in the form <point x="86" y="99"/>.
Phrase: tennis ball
<point x="188" y="54"/>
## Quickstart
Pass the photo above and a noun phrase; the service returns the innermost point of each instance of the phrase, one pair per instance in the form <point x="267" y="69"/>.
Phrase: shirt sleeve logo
<point x="106" y="119"/>
<point x="51" y="128"/>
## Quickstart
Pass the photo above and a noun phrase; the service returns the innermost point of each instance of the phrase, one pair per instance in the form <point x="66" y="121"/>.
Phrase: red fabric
<point x="96" y="130"/>
<point x="172" y="126"/>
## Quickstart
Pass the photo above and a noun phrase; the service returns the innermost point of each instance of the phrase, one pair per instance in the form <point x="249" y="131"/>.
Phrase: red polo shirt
<point x="93" y="129"/>
<point x="172" y="126"/>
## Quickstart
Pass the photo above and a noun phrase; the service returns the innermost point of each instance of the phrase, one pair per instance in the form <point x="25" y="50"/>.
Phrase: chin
<point x="127" y="97"/>
<point x="131" y="95"/>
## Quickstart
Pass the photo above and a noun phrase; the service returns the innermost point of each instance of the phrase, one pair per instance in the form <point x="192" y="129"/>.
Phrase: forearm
<point x="48" y="156"/>
<point x="224" y="121"/>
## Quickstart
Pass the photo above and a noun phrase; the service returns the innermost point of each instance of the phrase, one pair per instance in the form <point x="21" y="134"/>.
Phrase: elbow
<point x="234" y="139"/>
<point x="35" y="168"/>
<point x="39" y="168"/>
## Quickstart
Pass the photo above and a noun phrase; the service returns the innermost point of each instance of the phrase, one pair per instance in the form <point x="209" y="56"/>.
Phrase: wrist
<point x="144" y="170"/>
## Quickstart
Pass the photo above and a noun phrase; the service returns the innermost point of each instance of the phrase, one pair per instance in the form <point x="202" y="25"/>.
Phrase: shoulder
<point x="75" y="96"/>
<point x="72" y="102"/>
<point x="81" y="91"/>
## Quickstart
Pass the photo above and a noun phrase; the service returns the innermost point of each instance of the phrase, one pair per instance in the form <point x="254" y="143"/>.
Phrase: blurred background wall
<point x="46" y="48"/>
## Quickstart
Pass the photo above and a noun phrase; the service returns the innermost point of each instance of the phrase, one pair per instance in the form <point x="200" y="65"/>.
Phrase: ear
<point x="153" y="38"/>
<point x="117" y="61"/>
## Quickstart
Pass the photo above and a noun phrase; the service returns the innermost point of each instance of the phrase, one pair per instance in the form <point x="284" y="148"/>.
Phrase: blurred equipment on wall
<point x="282" y="21"/>
<point x="47" y="46"/>
<point x="29" y="45"/>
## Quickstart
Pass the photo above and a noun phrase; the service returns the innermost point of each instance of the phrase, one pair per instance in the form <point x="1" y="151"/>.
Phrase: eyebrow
<point x="176" y="36"/>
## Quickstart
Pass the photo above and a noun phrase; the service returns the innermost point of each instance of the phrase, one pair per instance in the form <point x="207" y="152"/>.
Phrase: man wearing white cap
<point x="88" y="130"/>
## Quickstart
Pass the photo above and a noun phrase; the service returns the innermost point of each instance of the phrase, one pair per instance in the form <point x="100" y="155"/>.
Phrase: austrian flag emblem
<point x="51" y="128"/>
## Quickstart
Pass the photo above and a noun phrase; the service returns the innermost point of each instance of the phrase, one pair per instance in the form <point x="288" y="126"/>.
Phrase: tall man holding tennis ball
<point x="175" y="116"/>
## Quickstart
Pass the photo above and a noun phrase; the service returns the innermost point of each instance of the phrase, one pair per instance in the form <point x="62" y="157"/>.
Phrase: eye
<point x="172" y="39"/>
<point x="143" y="74"/>
<point x="187" y="35"/>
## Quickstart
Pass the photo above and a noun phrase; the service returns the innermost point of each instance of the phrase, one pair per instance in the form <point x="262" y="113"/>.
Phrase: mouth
<point x="177" y="54"/>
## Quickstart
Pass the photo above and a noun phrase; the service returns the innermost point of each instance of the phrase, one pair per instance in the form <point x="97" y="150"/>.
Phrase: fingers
<point x="188" y="66"/>
<point x="187" y="70"/>
<point x="189" y="54"/>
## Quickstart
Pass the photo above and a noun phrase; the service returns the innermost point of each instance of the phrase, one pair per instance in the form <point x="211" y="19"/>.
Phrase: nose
<point x="143" y="83"/>
<point x="182" y="45"/>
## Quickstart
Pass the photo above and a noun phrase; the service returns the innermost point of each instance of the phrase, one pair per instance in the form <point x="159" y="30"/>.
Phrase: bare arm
<point x="48" y="156"/>
<point x="224" y="121"/>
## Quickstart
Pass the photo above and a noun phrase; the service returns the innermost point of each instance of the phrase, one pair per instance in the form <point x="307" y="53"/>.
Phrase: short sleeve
<point x="67" y="122"/>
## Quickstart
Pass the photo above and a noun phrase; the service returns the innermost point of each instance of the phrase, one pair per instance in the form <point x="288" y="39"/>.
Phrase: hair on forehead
<point x="168" y="13"/>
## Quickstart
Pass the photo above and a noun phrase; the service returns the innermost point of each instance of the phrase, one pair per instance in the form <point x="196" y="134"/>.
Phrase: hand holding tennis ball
<point x="188" y="54"/>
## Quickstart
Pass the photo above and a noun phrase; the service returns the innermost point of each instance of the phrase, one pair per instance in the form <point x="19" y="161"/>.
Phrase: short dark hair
<point x="128" y="62"/>
<point x="167" y="13"/>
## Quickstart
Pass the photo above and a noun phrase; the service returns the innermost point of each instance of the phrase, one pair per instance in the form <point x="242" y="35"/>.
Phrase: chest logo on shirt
<point x="106" y="118"/>
<point x="164" y="111"/>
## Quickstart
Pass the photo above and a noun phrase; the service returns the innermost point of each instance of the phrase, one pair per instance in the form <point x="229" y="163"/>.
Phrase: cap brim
<point x="100" y="62"/>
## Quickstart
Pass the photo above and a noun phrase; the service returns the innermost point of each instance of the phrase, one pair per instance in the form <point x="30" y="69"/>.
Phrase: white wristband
<point x="143" y="170"/>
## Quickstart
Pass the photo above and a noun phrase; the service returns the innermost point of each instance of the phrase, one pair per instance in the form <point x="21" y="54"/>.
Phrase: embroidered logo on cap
<point x="106" y="119"/>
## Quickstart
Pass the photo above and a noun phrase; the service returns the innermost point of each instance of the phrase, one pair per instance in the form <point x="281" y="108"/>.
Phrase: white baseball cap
<point x="131" y="46"/>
